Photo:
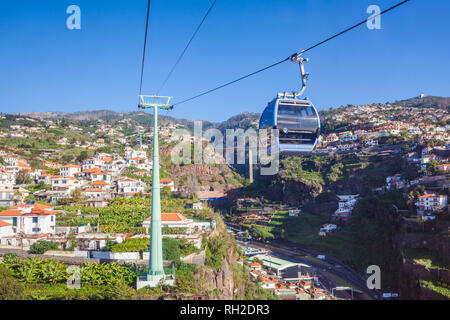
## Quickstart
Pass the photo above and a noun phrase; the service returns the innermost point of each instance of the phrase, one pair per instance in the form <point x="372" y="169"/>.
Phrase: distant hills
<point x="425" y="102"/>
<point x="243" y="120"/>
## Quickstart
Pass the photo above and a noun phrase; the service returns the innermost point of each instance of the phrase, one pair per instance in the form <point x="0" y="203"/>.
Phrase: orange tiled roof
<point x="431" y="195"/>
<point x="170" y="217"/>
<point x="22" y="164"/>
<point x="72" y="166"/>
<point x="4" y="224"/>
<point x="107" y="159"/>
<point x="99" y="183"/>
<point x="36" y="209"/>
<point x="93" y="190"/>
<point x="210" y="194"/>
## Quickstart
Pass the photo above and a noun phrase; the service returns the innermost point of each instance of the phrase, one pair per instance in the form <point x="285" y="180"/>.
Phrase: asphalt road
<point x="323" y="270"/>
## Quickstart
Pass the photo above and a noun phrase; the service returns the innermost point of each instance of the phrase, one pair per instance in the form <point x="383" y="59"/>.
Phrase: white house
<point x="166" y="182"/>
<point x="94" y="174"/>
<point x="346" y="205"/>
<point x="60" y="183"/>
<point x="12" y="195"/>
<point x="95" y="194"/>
<point x="69" y="170"/>
<point x="7" y="178"/>
<point x="195" y="206"/>
<point x="171" y="220"/>
<point x="431" y="202"/>
<point x="128" y="186"/>
<point x="394" y="182"/>
<point x="92" y="163"/>
<point x="131" y="153"/>
<point x="6" y="229"/>
<point x="31" y="219"/>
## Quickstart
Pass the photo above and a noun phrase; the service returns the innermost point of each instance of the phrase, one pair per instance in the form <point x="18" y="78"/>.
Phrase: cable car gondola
<point x="295" y="122"/>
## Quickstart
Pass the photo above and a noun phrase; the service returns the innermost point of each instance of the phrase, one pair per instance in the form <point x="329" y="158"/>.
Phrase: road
<point x="330" y="271"/>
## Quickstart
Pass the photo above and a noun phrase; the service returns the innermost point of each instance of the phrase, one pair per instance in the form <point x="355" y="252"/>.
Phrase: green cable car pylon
<point x="156" y="267"/>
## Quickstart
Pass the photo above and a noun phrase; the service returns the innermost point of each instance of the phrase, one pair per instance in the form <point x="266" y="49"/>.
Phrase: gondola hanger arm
<point x="298" y="59"/>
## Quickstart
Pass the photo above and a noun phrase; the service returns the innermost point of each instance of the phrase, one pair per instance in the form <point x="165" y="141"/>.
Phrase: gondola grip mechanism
<point x="297" y="59"/>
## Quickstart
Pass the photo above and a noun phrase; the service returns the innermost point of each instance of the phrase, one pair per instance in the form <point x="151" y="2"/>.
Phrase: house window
<point x="15" y="222"/>
<point x="52" y="218"/>
<point x="35" y="219"/>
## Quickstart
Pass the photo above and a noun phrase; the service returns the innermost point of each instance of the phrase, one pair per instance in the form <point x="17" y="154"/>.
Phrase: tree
<point x="432" y="167"/>
<point x="42" y="247"/>
<point x="82" y="156"/>
<point x="171" y="249"/>
<point x="166" y="191"/>
<point x="259" y="232"/>
<point x="22" y="177"/>
<point x="10" y="288"/>
<point x="77" y="195"/>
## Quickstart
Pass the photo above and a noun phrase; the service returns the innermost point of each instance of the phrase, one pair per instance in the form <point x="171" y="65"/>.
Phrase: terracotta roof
<point x="99" y="183"/>
<point x="428" y="196"/>
<point x="166" y="180"/>
<point x="4" y="224"/>
<point x="72" y="166"/>
<point x="94" y="171"/>
<point x="165" y="217"/>
<point x="210" y="195"/>
<point x="36" y="205"/>
<point x="93" y="190"/>
<point x="36" y="209"/>
<point x="22" y="164"/>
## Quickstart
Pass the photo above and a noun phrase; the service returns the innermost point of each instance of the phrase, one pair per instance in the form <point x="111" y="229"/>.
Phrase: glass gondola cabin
<point x="296" y="125"/>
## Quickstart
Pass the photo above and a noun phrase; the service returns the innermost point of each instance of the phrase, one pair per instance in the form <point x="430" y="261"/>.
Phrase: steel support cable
<point x="292" y="56"/>
<point x="186" y="47"/>
<point x="145" y="47"/>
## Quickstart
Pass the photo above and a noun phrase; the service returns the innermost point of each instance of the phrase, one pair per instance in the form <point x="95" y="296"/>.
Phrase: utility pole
<point x="156" y="267"/>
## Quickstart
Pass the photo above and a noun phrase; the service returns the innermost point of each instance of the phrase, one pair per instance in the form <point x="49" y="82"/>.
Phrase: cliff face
<point x="221" y="283"/>
<point x="410" y="275"/>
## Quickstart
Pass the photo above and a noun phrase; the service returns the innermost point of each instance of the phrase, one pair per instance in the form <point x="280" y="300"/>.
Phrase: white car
<point x="328" y="228"/>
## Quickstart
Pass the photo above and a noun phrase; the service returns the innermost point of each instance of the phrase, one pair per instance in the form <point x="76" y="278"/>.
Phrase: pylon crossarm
<point x="162" y="102"/>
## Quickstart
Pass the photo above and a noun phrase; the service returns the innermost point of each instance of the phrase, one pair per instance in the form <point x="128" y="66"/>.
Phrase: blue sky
<point x="46" y="67"/>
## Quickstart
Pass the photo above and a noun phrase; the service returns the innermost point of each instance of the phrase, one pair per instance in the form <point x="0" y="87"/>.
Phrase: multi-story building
<point x="129" y="187"/>
<point x="69" y="170"/>
<point x="7" y="178"/>
<point x="166" y="182"/>
<point x="431" y="202"/>
<point x="12" y="195"/>
<point x="92" y="163"/>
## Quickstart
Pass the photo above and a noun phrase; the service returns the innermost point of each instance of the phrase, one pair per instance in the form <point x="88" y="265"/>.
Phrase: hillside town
<point x="62" y="182"/>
